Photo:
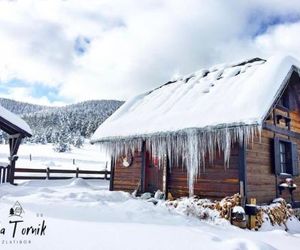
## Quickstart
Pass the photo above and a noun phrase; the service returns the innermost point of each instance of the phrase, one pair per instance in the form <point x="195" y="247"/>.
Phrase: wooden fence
<point x="4" y="174"/>
<point x="52" y="174"/>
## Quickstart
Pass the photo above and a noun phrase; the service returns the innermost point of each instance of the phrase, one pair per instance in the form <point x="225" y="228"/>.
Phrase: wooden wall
<point x="215" y="182"/>
<point x="261" y="178"/>
<point x="295" y="126"/>
<point x="128" y="179"/>
<point x="261" y="181"/>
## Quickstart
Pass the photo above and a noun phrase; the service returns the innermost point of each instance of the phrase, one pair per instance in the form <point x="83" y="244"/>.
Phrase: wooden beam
<point x="1" y="181"/>
<point x="281" y="131"/>
<point x="143" y="167"/>
<point x="243" y="170"/>
<point x="282" y="108"/>
<point x="283" y="86"/>
<point x="15" y="135"/>
<point x="167" y="174"/>
<point x="11" y="128"/>
<point x="14" y="143"/>
<point x="112" y="173"/>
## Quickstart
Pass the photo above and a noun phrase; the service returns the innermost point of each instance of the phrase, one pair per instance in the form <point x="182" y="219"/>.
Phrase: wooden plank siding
<point x="261" y="176"/>
<point x="261" y="181"/>
<point x="128" y="179"/>
<point x="215" y="182"/>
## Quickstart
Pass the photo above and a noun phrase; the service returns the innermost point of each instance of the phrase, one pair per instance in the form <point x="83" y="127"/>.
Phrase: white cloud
<point x="23" y="94"/>
<point x="135" y="45"/>
<point x="284" y="38"/>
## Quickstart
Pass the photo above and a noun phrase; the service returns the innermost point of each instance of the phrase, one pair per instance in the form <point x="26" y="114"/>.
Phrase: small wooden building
<point x="17" y="129"/>
<point x="227" y="129"/>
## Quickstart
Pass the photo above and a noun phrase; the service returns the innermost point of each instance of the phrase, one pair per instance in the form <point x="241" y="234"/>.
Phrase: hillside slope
<point x="67" y="123"/>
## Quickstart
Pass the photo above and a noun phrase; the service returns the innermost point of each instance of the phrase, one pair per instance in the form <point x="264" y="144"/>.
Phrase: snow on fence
<point x="59" y="174"/>
<point x="58" y="161"/>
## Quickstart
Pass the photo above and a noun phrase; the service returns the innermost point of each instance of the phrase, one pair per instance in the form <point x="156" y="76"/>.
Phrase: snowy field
<point x="84" y="215"/>
<point x="88" y="157"/>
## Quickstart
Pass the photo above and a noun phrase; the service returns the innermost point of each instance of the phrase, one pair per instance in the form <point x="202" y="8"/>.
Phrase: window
<point x="285" y="157"/>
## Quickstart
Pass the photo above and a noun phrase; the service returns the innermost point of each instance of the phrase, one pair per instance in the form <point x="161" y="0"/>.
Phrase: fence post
<point x="73" y="161"/>
<point x="77" y="172"/>
<point x="48" y="173"/>
<point x="6" y="174"/>
<point x="105" y="174"/>
<point x="30" y="157"/>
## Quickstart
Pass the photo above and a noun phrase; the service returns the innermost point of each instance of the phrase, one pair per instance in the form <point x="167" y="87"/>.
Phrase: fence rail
<point x="47" y="174"/>
<point x="52" y="174"/>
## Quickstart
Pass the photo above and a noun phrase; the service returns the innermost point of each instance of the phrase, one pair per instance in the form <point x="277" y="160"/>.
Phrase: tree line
<point x="62" y="126"/>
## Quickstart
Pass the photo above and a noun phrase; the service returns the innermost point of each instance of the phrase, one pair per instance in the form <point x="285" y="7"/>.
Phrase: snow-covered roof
<point x="12" y="123"/>
<point x="224" y="95"/>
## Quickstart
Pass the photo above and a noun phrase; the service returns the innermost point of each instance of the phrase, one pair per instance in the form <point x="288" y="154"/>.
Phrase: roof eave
<point x="283" y="86"/>
<point x="177" y="132"/>
<point x="13" y="129"/>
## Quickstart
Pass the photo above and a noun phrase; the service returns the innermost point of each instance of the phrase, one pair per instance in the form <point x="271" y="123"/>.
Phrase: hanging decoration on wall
<point x="127" y="160"/>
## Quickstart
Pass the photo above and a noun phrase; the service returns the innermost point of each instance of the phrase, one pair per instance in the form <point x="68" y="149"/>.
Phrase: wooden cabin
<point x="17" y="129"/>
<point x="232" y="128"/>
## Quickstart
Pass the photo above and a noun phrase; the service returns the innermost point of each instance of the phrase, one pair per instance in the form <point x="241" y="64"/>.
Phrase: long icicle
<point x="188" y="147"/>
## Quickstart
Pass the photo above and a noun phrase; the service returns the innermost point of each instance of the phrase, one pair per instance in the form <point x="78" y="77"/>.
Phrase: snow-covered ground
<point x="85" y="215"/>
<point x="89" y="157"/>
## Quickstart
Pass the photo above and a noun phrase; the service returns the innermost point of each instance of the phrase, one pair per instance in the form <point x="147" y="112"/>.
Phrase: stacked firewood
<point x="278" y="213"/>
<point x="259" y="219"/>
<point x="226" y="205"/>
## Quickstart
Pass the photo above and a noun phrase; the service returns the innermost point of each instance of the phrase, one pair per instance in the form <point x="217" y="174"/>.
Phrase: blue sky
<point x="59" y="52"/>
<point x="35" y="91"/>
<point x="272" y="21"/>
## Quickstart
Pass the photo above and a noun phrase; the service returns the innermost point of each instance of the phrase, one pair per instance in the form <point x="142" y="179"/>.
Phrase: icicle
<point x="186" y="147"/>
<point x="192" y="159"/>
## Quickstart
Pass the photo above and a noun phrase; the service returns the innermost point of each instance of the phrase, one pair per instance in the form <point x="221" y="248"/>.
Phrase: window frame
<point x="290" y="160"/>
<point x="285" y="149"/>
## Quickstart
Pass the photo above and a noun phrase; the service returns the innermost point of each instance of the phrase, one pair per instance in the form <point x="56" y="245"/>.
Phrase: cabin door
<point x="153" y="175"/>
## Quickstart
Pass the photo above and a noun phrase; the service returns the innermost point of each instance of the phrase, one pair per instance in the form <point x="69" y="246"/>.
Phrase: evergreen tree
<point x="62" y="143"/>
<point x="62" y="125"/>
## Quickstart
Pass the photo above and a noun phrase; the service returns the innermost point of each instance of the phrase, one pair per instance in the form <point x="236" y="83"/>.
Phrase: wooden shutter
<point x="276" y="156"/>
<point x="295" y="165"/>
